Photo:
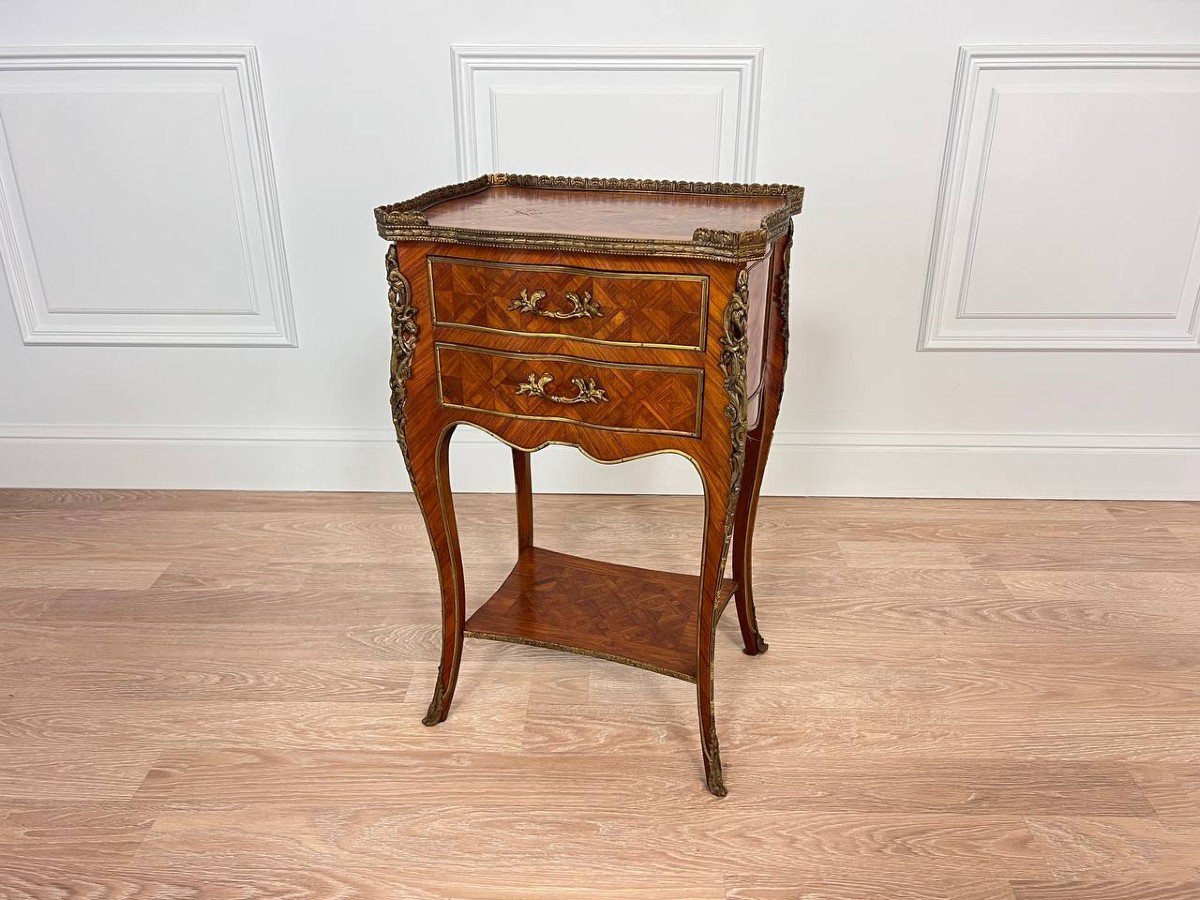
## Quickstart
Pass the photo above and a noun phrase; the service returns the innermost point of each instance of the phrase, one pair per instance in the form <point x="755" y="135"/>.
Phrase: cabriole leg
<point x="758" y="444"/>
<point x="431" y="481"/>
<point x="743" y="539"/>
<point x="716" y="500"/>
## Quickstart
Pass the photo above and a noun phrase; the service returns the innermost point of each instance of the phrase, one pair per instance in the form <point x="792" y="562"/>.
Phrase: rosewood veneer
<point x="622" y="317"/>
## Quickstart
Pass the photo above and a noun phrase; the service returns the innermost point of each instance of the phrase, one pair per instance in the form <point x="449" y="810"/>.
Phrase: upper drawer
<point x="634" y="308"/>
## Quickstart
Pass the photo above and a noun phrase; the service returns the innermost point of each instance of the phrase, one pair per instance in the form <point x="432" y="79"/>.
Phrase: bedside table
<point x="622" y="317"/>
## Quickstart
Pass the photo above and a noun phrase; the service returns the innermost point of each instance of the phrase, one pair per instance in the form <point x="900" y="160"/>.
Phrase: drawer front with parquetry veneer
<point x="650" y="399"/>
<point x="646" y="309"/>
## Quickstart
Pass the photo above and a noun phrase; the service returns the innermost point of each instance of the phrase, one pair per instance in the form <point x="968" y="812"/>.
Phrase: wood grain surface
<point x="641" y="617"/>
<point x="208" y="694"/>
<point x="630" y="398"/>
<point x="666" y="310"/>
<point x="615" y="403"/>
<point x="624" y="214"/>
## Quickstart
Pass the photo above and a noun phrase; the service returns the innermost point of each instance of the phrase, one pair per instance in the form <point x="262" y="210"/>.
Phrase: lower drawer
<point x="613" y="396"/>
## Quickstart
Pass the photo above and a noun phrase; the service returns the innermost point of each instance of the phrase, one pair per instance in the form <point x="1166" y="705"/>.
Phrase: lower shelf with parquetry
<point x="639" y="617"/>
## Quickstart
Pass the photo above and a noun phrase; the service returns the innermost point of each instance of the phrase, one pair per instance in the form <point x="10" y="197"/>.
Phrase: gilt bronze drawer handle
<point x="582" y="305"/>
<point x="588" y="392"/>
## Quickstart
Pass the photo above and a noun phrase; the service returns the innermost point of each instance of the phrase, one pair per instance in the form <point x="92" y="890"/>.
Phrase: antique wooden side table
<point x="622" y="317"/>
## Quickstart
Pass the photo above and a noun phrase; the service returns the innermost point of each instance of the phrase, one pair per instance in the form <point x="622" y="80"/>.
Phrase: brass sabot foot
<point x="713" y="774"/>
<point x="760" y="646"/>
<point x="437" y="712"/>
<point x="716" y="783"/>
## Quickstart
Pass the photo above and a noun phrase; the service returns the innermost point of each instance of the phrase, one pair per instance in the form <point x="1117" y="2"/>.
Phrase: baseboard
<point x="876" y="464"/>
<point x="1022" y="466"/>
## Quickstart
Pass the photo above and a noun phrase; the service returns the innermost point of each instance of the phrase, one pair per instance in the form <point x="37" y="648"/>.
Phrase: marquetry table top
<point x="603" y="215"/>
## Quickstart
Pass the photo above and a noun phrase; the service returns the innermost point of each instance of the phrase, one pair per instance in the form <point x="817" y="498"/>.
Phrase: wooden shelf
<point x="639" y="617"/>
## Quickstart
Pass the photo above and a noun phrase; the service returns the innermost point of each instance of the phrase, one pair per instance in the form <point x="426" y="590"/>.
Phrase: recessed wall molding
<point x="619" y="110"/>
<point x="162" y="226"/>
<point x="1068" y="215"/>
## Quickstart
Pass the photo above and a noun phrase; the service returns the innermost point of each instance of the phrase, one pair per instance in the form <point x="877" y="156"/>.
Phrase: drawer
<point x="646" y="309"/>
<point x="612" y="396"/>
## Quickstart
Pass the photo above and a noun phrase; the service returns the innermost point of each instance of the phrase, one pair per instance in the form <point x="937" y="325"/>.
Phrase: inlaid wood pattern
<point x="603" y="213"/>
<point x="657" y="400"/>
<point x="642" y="617"/>
<point x="619" y="401"/>
<point x="665" y="310"/>
<point x="219" y="695"/>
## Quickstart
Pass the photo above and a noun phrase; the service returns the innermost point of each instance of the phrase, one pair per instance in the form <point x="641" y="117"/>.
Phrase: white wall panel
<point x="1070" y="202"/>
<point x="137" y="202"/>
<point x="691" y="113"/>
<point x="1083" y="237"/>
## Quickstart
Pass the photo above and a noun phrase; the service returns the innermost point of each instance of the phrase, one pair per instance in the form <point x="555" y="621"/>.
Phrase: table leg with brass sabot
<point x="758" y="445"/>
<point x="426" y="451"/>
<point x="719" y="505"/>
<point x="430" y="461"/>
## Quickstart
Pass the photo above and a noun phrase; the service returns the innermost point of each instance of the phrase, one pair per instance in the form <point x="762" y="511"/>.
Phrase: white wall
<point x="995" y="280"/>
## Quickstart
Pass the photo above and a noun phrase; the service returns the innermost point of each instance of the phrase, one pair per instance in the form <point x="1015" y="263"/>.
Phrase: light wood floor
<point x="219" y="695"/>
